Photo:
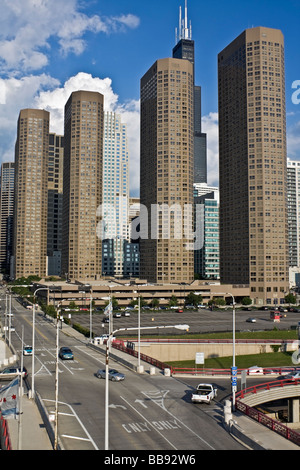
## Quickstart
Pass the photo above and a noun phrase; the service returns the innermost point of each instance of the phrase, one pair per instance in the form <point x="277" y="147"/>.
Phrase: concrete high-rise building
<point x="185" y="49"/>
<point x="253" y="164"/>
<point x="55" y="203"/>
<point x="82" y="185"/>
<point x="167" y="167"/>
<point x="115" y="203"/>
<point x="30" y="203"/>
<point x="293" y="204"/>
<point x="207" y="258"/>
<point x="7" y="179"/>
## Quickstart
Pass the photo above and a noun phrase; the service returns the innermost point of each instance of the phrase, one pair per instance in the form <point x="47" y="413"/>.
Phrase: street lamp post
<point x="33" y="334"/>
<point x="33" y="339"/>
<point x="233" y="369"/>
<point x="179" y="327"/>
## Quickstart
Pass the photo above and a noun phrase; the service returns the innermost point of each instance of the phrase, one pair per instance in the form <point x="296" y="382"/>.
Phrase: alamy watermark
<point x="296" y="93"/>
<point x="296" y="353"/>
<point x="175" y="222"/>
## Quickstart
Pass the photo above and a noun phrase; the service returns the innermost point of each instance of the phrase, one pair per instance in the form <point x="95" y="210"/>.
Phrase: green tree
<point x="154" y="303"/>
<point x="193" y="299"/>
<point x="290" y="299"/>
<point x="246" y="301"/>
<point x="173" y="301"/>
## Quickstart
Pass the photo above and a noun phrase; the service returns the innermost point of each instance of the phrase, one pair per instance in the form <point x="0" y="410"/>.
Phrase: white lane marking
<point x="89" y="438"/>
<point x="94" y="356"/>
<point x="75" y="437"/>
<point x="159" y="402"/>
<point x="149" y="422"/>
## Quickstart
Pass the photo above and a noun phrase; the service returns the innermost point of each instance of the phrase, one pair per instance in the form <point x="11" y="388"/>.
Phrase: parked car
<point x="251" y="320"/>
<point x="117" y="315"/>
<point x="106" y="320"/>
<point x="255" y="370"/>
<point x="65" y="353"/>
<point x="10" y="372"/>
<point x="27" y="351"/>
<point x="113" y="375"/>
<point x="126" y="313"/>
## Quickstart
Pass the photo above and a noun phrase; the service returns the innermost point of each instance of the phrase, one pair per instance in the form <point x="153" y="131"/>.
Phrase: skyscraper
<point x="30" y="207"/>
<point x="293" y="203"/>
<point x="6" y="214"/>
<point x="167" y="156"/>
<point x="185" y="49"/>
<point x="55" y="203"/>
<point x="82" y="186"/>
<point x="115" y="191"/>
<point x="252" y="148"/>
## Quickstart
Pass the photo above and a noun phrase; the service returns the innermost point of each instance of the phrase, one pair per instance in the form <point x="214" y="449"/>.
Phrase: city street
<point x="145" y="411"/>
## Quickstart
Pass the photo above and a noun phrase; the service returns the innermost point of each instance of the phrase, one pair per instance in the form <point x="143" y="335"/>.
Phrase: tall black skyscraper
<point x="185" y="49"/>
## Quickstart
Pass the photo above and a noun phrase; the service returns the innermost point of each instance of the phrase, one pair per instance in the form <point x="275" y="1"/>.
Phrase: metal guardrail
<point x="227" y="372"/>
<point x="144" y="357"/>
<point x="216" y="341"/>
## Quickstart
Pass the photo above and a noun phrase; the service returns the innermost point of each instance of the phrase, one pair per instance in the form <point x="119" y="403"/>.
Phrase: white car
<point x="251" y="320"/>
<point x="126" y="313"/>
<point x="27" y="351"/>
<point x="254" y="370"/>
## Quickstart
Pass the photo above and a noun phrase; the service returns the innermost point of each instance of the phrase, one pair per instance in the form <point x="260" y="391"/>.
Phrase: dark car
<point x="65" y="353"/>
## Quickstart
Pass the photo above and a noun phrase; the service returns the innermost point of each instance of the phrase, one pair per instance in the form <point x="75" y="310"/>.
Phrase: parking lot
<point x="199" y="321"/>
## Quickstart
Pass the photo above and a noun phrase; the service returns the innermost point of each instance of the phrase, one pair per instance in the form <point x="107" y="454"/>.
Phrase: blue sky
<point x="49" y="48"/>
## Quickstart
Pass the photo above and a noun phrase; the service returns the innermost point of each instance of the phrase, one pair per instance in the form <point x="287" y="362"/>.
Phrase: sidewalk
<point x="33" y="433"/>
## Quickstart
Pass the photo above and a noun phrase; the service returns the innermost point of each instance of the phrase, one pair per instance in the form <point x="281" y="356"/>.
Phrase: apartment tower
<point x="167" y="164"/>
<point x="82" y="185"/>
<point x="55" y="203"/>
<point x="30" y="203"/>
<point x="7" y="179"/>
<point x="253" y="165"/>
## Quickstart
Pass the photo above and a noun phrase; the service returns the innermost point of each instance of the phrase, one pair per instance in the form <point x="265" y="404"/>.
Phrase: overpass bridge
<point x="248" y="399"/>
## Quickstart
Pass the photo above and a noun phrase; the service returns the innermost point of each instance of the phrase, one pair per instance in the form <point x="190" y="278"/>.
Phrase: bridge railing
<point x="205" y="371"/>
<point x="262" y="418"/>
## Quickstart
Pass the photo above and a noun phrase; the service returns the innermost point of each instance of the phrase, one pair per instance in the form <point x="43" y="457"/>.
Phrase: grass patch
<point x="268" y="334"/>
<point x="278" y="359"/>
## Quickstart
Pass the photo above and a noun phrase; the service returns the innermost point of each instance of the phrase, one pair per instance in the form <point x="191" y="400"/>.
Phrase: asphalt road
<point x="145" y="412"/>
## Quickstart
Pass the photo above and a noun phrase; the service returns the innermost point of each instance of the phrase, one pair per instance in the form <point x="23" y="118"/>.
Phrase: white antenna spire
<point x="185" y="21"/>
<point x="184" y="32"/>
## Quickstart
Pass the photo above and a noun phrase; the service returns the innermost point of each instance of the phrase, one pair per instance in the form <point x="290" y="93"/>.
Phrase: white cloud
<point x="28" y="26"/>
<point x="16" y="94"/>
<point x="54" y="102"/>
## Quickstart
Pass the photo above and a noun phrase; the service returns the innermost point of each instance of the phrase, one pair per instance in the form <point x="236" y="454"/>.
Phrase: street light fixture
<point x="233" y="369"/>
<point x="178" y="327"/>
